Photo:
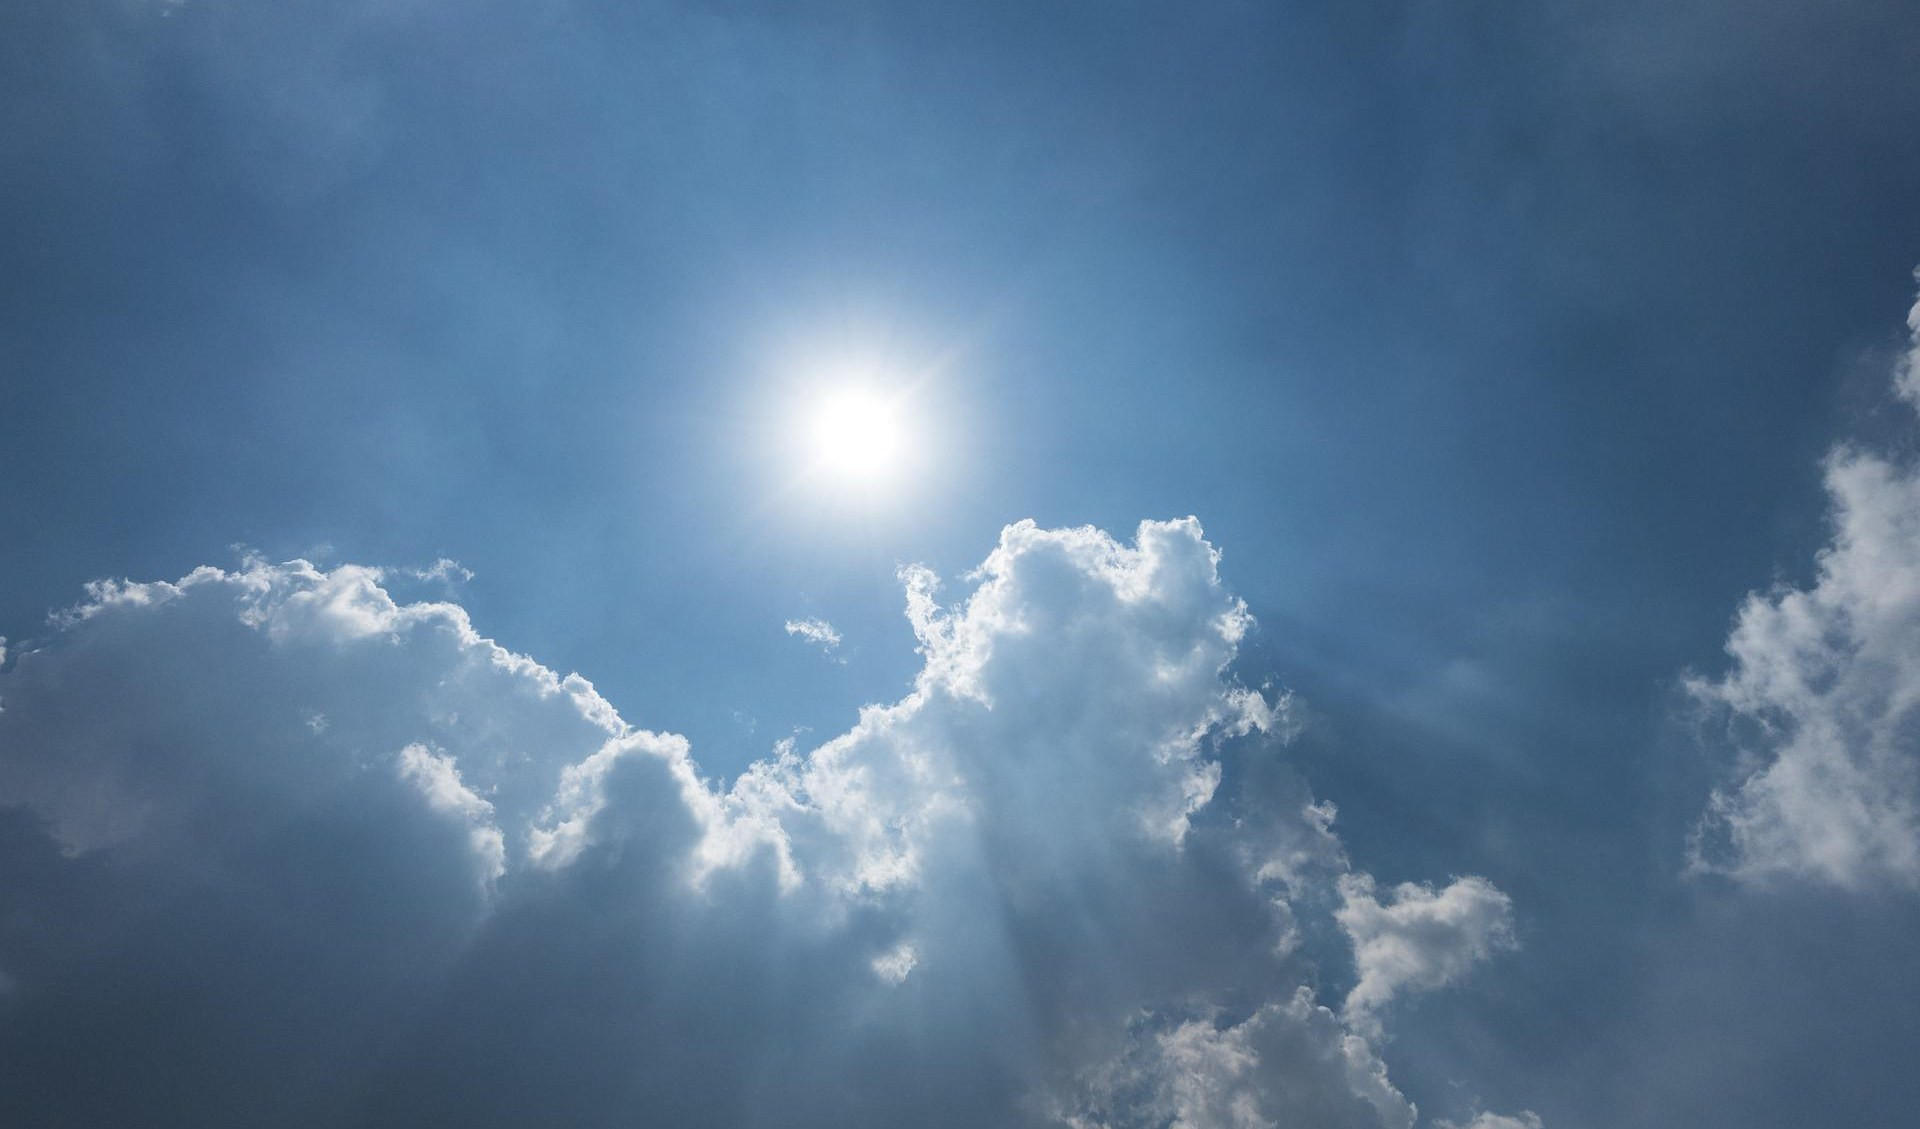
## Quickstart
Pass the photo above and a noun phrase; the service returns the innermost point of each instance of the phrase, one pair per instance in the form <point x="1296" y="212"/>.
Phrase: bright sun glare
<point x="857" y="435"/>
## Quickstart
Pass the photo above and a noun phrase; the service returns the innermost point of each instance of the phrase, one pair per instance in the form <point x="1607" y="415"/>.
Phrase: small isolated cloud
<point x="1418" y="938"/>
<point x="1823" y="696"/>
<point x="1525" y="1119"/>
<point x="895" y="964"/>
<point x="445" y="569"/>
<point x="816" y="631"/>
<point x="1056" y="884"/>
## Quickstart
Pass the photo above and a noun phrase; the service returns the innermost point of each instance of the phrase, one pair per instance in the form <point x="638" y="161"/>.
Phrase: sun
<point x="857" y="435"/>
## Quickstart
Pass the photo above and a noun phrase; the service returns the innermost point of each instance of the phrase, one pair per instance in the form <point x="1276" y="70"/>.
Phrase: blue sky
<point x="1501" y="354"/>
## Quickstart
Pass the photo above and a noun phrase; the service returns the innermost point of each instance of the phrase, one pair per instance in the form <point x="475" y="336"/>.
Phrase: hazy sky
<point x="1381" y="540"/>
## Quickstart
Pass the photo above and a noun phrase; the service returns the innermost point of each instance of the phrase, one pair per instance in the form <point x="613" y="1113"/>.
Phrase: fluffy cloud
<point x="1822" y="694"/>
<point x="1290" y="1062"/>
<point x="1418" y="939"/>
<point x="281" y="849"/>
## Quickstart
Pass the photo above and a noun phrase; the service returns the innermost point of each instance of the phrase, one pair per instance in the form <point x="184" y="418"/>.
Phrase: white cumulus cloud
<point x="1417" y="938"/>
<point x="286" y="850"/>
<point x="1821" y="697"/>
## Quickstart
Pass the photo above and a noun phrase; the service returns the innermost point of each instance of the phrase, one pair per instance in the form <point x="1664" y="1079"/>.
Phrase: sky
<point x="1044" y="564"/>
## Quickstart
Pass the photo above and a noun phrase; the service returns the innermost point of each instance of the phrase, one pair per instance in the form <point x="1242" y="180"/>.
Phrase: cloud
<point x="1525" y="1119"/>
<point x="1906" y="375"/>
<point x="1822" y="693"/>
<point x="1290" y="1062"/>
<point x="816" y="631"/>
<point x="1418" y="939"/>
<point x="438" y="779"/>
<point x="445" y="569"/>
<point x="283" y="849"/>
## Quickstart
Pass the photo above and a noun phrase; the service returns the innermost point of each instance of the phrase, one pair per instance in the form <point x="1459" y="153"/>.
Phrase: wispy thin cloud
<point x="816" y="631"/>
